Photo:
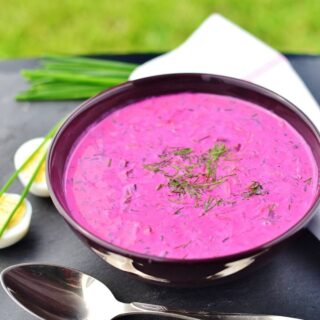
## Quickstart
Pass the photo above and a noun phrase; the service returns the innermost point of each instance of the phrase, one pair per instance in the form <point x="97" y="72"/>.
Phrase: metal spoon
<point x="58" y="293"/>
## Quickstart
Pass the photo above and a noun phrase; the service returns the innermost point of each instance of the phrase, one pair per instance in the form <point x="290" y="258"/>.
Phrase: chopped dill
<point x="182" y="152"/>
<point x="211" y="202"/>
<point x="184" y="245"/>
<point x="208" y="204"/>
<point x="189" y="174"/>
<point x="160" y="186"/>
<point x="217" y="151"/>
<point x="178" y="211"/>
<point x="214" y="154"/>
<point x="255" y="188"/>
<point x="152" y="167"/>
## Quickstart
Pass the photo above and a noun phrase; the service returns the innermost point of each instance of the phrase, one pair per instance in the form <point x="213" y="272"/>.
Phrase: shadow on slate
<point x="289" y="285"/>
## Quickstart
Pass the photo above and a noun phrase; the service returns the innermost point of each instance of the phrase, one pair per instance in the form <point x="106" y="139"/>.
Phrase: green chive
<point x="28" y="186"/>
<point x="73" y="78"/>
<point x="23" y="195"/>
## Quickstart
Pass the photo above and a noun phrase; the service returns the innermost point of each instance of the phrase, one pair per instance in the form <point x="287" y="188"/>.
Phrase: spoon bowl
<point x="55" y="293"/>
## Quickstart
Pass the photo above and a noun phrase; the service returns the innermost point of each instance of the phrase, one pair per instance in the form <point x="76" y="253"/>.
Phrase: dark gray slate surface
<point x="289" y="285"/>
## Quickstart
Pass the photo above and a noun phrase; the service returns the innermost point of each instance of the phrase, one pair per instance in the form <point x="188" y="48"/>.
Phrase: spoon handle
<point x="140" y="308"/>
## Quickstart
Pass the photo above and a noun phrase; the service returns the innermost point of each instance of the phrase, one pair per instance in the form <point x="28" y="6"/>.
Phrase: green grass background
<point x="37" y="27"/>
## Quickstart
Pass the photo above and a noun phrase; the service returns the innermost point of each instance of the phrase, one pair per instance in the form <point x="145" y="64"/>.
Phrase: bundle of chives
<point x="13" y="177"/>
<point x="73" y="78"/>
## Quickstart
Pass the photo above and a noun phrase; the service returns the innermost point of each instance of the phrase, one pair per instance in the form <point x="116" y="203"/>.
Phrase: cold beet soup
<point x="190" y="176"/>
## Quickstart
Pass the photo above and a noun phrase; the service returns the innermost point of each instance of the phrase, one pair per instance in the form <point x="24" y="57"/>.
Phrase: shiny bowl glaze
<point x="173" y="272"/>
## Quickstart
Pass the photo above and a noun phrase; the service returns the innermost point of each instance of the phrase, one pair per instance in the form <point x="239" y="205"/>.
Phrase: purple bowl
<point x="162" y="270"/>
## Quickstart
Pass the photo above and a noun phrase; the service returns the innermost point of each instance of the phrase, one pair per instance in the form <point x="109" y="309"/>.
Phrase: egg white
<point x="24" y="151"/>
<point x="17" y="232"/>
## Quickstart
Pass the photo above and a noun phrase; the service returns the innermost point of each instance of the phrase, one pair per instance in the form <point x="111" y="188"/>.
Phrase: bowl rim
<point x="151" y="258"/>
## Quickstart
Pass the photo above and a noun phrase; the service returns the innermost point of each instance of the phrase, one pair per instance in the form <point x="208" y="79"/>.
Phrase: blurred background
<point x="37" y="27"/>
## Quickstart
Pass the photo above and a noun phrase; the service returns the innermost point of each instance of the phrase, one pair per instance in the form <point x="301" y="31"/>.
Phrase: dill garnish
<point x="214" y="154"/>
<point x="152" y="167"/>
<point x="156" y="166"/>
<point x="217" y="151"/>
<point x="203" y="138"/>
<point x="189" y="174"/>
<point x="211" y="202"/>
<point x="184" y="245"/>
<point x="255" y="188"/>
<point x="178" y="210"/>
<point x="183" y="152"/>
<point x="208" y="204"/>
<point x="160" y="186"/>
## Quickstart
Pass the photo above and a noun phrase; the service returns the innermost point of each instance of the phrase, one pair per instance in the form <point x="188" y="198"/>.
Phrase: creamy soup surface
<point x="190" y="176"/>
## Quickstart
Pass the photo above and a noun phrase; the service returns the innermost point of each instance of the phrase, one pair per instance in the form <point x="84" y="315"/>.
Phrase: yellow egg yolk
<point x="32" y="165"/>
<point x="7" y="204"/>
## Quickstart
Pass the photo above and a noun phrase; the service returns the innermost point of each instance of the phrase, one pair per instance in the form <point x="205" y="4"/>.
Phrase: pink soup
<point x="190" y="176"/>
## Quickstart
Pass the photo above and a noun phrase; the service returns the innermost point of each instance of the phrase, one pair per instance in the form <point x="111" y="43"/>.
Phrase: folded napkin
<point x="220" y="47"/>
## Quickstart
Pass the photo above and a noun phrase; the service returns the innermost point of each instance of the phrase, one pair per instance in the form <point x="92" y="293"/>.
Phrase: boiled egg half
<point x="19" y="224"/>
<point x="39" y="186"/>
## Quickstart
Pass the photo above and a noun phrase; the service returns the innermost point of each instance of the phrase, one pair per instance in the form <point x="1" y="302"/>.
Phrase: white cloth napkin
<point x="220" y="47"/>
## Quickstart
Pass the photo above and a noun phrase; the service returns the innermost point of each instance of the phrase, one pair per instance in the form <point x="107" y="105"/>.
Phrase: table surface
<point x="288" y="285"/>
